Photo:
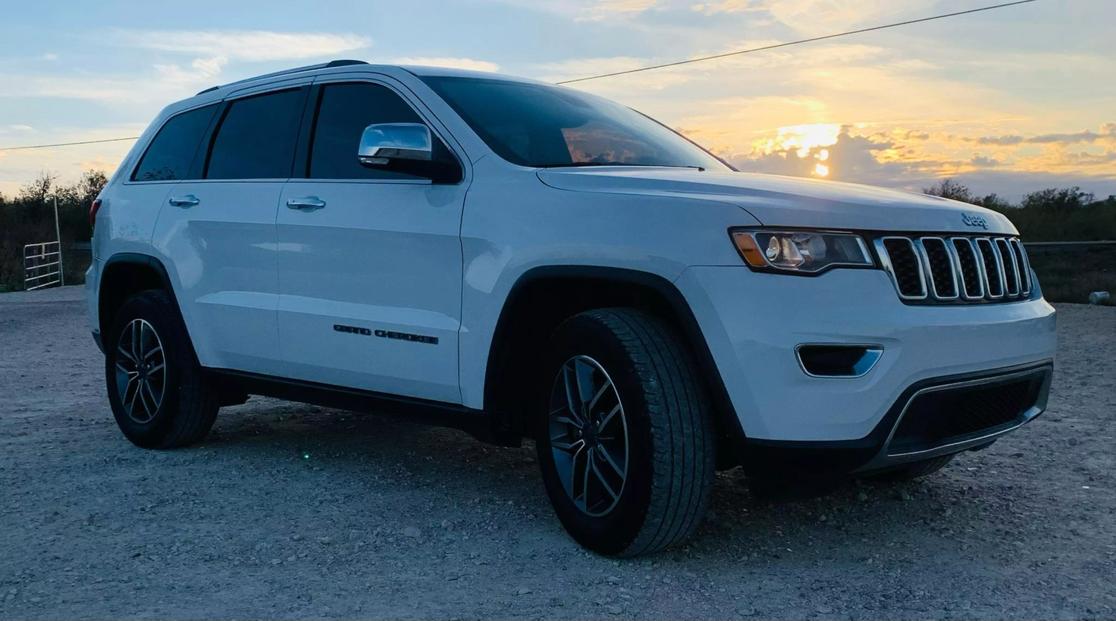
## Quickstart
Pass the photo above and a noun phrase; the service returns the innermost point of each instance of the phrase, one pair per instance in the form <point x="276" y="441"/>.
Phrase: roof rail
<point x="332" y="63"/>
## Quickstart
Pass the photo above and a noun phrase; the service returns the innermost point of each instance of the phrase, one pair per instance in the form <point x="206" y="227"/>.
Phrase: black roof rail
<point x="344" y="62"/>
<point x="332" y="63"/>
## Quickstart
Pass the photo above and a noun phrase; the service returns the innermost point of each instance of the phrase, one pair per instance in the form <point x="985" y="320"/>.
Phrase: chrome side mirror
<point x="384" y="142"/>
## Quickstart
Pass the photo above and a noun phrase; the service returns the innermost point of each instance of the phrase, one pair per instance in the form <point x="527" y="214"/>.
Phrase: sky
<point x="1007" y="101"/>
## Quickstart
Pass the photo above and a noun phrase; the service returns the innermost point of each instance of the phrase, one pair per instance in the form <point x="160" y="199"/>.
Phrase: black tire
<point x="668" y="433"/>
<point x="913" y="470"/>
<point x="184" y="410"/>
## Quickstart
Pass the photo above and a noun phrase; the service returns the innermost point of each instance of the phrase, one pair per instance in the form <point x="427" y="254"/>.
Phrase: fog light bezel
<point x="870" y="355"/>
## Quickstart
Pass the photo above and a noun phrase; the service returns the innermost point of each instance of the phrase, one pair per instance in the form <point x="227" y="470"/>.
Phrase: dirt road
<point x="296" y="511"/>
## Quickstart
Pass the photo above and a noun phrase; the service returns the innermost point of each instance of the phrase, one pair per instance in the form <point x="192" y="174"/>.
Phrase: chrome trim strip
<point x="1025" y="267"/>
<point x="1002" y="243"/>
<point x="885" y="261"/>
<point x="964" y="291"/>
<point x="999" y="264"/>
<point x="920" y="243"/>
<point x="884" y="458"/>
<point x="872" y="349"/>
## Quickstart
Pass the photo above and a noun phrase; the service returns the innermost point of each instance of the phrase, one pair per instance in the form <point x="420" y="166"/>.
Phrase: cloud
<point x="1107" y="133"/>
<point x="606" y="9"/>
<point x="888" y="157"/>
<point x="983" y="161"/>
<point x="471" y="64"/>
<point x="244" y="45"/>
<point x="814" y="16"/>
<point x="727" y="6"/>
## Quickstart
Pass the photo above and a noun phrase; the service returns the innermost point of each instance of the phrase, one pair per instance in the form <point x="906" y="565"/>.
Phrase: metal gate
<point x="42" y="265"/>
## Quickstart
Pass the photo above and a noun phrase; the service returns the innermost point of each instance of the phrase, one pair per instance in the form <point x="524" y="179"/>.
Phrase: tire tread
<point x="683" y="459"/>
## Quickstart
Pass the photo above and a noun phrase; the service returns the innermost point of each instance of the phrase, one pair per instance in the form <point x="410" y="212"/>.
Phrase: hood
<point x="789" y="201"/>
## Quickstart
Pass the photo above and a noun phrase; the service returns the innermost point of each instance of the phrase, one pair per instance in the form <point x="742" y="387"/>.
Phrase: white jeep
<point x="521" y="260"/>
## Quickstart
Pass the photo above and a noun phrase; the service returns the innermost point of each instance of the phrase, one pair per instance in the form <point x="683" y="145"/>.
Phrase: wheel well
<point x="124" y="276"/>
<point x="545" y="297"/>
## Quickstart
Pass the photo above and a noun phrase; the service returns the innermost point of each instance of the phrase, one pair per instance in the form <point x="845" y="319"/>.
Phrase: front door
<point x="369" y="258"/>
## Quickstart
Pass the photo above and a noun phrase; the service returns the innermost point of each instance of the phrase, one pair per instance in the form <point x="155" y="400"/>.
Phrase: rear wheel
<point x="156" y="388"/>
<point x="625" y="438"/>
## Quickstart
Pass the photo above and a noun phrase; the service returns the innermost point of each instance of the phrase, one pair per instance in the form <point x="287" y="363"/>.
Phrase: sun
<point x="802" y="139"/>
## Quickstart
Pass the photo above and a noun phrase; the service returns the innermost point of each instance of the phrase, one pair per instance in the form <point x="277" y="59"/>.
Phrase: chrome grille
<point x="967" y="270"/>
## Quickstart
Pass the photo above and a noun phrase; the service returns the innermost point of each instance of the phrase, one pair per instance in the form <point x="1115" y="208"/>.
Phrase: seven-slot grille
<point x="956" y="269"/>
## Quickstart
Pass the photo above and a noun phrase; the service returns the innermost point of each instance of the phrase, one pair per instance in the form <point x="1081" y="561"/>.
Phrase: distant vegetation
<point x="29" y="218"/>
<point x="1056" y="214"/>
<point x="1067" y="274"/>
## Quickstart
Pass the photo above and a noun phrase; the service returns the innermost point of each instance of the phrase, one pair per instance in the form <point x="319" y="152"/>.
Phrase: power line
<point x="66" y="144"/>
<point x="653" y="67"/>
<point x="789" y="43"/>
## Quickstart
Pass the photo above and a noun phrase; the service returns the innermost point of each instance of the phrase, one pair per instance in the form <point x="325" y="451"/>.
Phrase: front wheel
<point x="624" y="433"/>
<point x="156" y="388"/>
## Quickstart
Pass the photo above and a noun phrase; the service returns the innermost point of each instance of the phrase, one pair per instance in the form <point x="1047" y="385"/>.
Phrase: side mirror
<point x="383" y="143"/>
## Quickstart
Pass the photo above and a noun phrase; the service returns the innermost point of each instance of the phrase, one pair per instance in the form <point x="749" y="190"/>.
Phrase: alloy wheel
<point x="141" y="371"/>
<point x="588" y="433"/>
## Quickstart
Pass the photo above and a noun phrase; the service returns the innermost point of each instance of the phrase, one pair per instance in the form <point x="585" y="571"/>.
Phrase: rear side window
<point x="256" y="139"/>
<point x="344" y="111"/>
<point x="172" y="151"/>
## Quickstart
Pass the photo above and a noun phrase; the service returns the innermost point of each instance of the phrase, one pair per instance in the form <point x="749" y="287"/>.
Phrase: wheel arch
<point x="544" y="296"/>
<point x="124" y="274"/>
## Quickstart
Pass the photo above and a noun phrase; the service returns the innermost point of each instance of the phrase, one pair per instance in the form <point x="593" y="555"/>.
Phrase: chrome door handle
<point x="306" y="203"/>
<point x="184" y="201"/>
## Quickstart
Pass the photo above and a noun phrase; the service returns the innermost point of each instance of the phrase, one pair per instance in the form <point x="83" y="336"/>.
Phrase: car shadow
<point x="806" y="521"/>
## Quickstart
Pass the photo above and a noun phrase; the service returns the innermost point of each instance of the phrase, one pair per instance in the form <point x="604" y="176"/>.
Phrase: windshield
<point x="547" y="126"/>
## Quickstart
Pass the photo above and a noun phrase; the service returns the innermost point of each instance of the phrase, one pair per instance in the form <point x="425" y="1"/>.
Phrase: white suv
<point x="521" y="260"/>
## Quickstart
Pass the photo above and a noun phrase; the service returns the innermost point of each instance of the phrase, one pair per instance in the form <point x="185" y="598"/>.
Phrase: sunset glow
<point x="1008" y="101"/>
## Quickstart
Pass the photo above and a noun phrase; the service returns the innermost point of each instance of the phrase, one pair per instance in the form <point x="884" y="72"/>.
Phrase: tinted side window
<point x="343" y="113"/>
<point x="172" y="151"/>
<point x="256" y="139"/>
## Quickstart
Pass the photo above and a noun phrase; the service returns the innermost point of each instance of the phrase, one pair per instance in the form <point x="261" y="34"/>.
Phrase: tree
<point x="948" y="188"/>
<point x="90" y="185"/>
<point x="38" y="190"/>
<point x="1058" y="199"/>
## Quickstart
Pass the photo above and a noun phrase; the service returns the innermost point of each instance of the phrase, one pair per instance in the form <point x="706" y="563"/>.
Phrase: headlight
<point x="802" y="252"/>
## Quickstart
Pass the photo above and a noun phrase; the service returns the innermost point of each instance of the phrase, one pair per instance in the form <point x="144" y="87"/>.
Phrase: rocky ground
<point x="296" y="511"/>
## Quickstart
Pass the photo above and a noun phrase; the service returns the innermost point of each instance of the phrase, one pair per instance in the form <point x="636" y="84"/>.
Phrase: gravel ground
<point x="292" y="511"/>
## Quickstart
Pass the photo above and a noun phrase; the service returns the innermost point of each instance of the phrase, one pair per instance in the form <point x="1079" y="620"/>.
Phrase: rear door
<point x="219" y="231"/>
<point x="369" y="259"/>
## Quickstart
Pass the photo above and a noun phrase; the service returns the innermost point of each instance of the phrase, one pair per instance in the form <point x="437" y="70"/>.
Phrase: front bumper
<point x="753" y="322"/>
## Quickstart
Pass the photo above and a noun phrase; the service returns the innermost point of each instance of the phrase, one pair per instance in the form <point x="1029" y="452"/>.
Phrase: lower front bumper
<point x="932" y="418"/>
<point x="755" y="323"/>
